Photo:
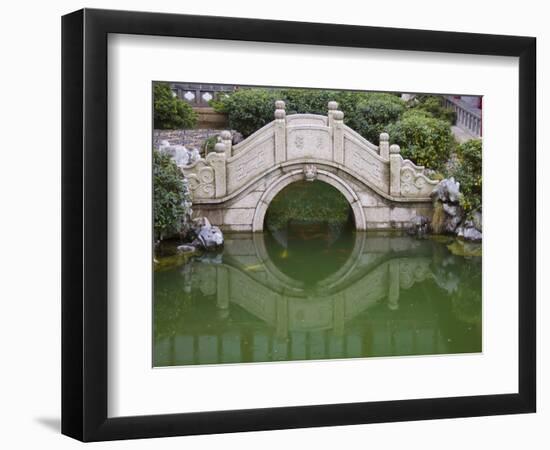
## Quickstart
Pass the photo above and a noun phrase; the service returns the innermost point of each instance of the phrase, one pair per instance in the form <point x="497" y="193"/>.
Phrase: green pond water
<point x="311" y="291"/>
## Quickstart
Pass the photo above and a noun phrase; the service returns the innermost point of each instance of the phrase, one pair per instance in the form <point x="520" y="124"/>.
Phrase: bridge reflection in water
<point x="261" y="301"/>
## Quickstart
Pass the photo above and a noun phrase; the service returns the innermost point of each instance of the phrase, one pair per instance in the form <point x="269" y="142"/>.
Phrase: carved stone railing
<point x="467" y="117"/>
<point x="306" y="139"/>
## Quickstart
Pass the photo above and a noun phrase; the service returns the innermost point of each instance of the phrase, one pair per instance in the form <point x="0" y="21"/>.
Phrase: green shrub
<point x="208" y="145"/>
<point x="373" y="113"/>
<point x="170" y="196"/>
<point x="434" y="105"/>
<point x="306" y="101"/>
<point x="170" y="112"/>
<point x="305" y="201"/>
<point x="247" y="110"/>
<point x="368" y="113"/>
<point x="468" y="173"/>
<point x="423" y="139"/>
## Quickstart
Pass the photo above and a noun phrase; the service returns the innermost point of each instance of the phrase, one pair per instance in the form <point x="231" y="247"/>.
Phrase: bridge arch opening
<point x="309" y="224"/>
<point x="309" y="203"/>
<point x="337" y="183"/>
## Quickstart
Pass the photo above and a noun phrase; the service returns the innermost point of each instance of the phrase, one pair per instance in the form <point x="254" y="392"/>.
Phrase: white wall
<point x="30" y="221"/>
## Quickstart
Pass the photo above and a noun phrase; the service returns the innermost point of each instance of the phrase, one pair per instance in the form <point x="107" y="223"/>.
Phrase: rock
<point x="209" y="236"/>
<point x="181" y="155"/>
<point x="451" y="223"/>
<point x="448" y="214"/>
<point x="420" y="226"/>
<point x="471" y="234"/>
<point x="447" y="191"/>
<point x="200" y="222"/>
<point x="237" y="137"/>
<point x="194" y="155"/>
<point x="452" y="210"/>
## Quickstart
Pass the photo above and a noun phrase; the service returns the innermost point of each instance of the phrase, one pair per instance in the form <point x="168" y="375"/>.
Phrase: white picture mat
<point x="135" y="388"/>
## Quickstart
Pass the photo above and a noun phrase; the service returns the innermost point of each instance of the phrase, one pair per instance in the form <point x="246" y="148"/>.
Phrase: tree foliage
<point x="170" y="198"/>
<point x="170" y="112"/>
<point x="368" y="113"/>
<point x="374" y="113"/>
<point x="422" y="129"/>
<point x="306" y="201"/>
<point x="468" y="173"/>
<point x="433" y="104"/>
<point x="423" y="139"/>
<point x="247" y="110"/>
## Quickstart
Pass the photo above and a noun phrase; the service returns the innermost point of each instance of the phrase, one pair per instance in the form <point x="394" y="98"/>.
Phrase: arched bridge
<point x="234" y="185"/>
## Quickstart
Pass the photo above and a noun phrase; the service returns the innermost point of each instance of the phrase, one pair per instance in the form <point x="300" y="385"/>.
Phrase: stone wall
<point x="208" y="118"/>
<point x="190" y="138"/>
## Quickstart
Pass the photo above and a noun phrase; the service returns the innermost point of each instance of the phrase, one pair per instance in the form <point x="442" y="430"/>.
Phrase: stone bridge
<point x="234" y="185"/>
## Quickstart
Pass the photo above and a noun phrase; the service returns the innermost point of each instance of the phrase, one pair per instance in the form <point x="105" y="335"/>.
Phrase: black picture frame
<point x="84" y="224"/>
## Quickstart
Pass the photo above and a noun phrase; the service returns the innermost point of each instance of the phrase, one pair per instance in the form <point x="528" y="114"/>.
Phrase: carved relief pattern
<point x="313" y="142"/>
<point x="414" y="183"/>
<point x="250" y="164"/>
<point x="310" y="172"/>
<point x="201" y="180"/>
<point x="368" y="166"/>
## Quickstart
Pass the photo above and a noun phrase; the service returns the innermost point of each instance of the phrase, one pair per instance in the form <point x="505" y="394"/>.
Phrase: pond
<point x="317" y="290"/>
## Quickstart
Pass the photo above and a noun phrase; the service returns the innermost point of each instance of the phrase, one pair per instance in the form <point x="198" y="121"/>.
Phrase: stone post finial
<point x="384" y="146"/>
<point x="336" y="122"/>
<point x="280" y="131"/>
<point x="220" y="147"/>
<point x="280" y="110"/>
<point x="332" y="108"/>
<point x="280" y="114"/>
<point x="395" y="170"/>
<point x="227" y="140"/>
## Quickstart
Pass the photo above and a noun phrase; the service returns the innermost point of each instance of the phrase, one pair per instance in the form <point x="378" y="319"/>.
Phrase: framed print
<point x="273" y="224"/>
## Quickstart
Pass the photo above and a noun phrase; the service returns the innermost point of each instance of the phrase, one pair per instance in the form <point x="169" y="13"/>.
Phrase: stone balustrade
<point x="467" y="117"/>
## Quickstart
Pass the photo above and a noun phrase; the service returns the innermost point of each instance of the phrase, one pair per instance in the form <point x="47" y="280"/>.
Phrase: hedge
<point x="170" y="112"/>
<point x="423" y="139"/>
